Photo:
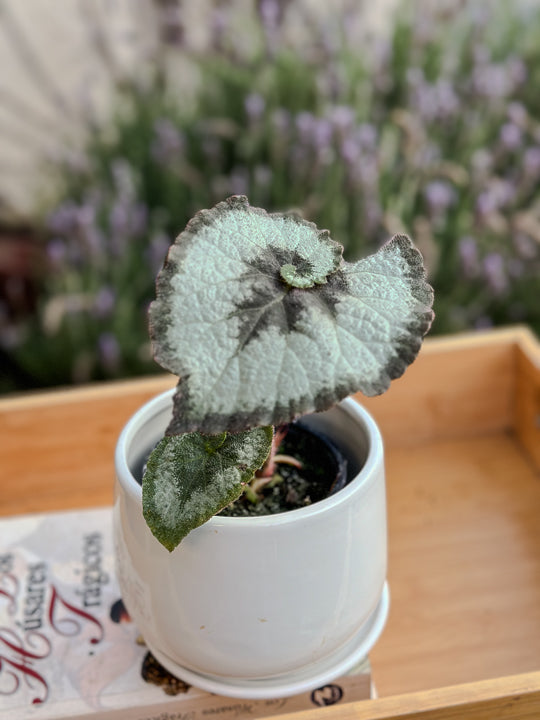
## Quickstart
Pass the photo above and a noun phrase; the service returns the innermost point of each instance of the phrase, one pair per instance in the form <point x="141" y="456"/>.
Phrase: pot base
<point x="316" y="675"/>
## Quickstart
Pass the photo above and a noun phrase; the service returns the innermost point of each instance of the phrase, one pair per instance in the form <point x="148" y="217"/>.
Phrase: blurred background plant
<point x="431" y="128"/>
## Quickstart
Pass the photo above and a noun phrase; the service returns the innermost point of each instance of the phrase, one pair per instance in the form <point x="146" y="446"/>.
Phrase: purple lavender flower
<point x="517" y="113"/>
<point x="498" y="194"/>
<point x="62" y="220"/>
<point x="439" y="195"/>
<point x="270" y="14"/>
<point x="510" y="136"/>
<point x="254" y="105"/>
<point x="531" y="161"/>
<point x="492" y="81"/>
<point x="495" y="272"/>
<point x="305" y="123"/>
<point x="486" y="203"/>
<point x="350" y="150"/>
<point x="56" y="252"/>
<point x="322" y="132"/>
<point x="382" y="53"/>
<point x="104" y="302"/>
<point x="497" y="81"/>
<point x="86" y="215"/>
<point x="168" y="141"/>
<point x="109" y="351"/>
<point x="468" y="253"/>
<point x="342" y="117"/>
<point x="86" y="231"/>
<point x="366" y="135"/>
<point x="447" y="102"/>
<point x="119" y="218"/>
<point x="433" y="100"/>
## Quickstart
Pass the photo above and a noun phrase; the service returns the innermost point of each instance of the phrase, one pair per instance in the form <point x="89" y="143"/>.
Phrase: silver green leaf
<point x="189" y="478"/>
<point x="262" y="319"/>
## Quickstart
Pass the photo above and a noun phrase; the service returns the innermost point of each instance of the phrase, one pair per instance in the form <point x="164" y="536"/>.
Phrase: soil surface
<point x="324" y="471"/>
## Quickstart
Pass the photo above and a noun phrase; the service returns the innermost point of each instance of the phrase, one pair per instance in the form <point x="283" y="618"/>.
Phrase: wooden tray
<point x="462" y="434"/>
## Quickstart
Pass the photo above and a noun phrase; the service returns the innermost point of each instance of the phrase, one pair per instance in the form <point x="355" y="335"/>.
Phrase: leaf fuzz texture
<point x="263" y="321"/>
<point x="189" y="478"/>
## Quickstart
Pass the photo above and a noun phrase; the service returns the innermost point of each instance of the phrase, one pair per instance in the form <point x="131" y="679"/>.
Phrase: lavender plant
<point x="262" y="320"/>
<point x="430" y="129"/>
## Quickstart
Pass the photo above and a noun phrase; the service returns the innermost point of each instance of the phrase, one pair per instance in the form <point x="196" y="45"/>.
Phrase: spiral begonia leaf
<point x="262" y="319"/>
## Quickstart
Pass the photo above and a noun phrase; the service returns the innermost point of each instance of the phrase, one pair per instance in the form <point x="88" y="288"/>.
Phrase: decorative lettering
<point x="71" y="626"/>
<point x="18" y="667"/>
<point x="36" y="606"/>
<point x="34" y="601"/>
<point x="93" y="575"/>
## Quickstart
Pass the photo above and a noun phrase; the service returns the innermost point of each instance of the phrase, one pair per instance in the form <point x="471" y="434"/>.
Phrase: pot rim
<point x="358" y="414"/>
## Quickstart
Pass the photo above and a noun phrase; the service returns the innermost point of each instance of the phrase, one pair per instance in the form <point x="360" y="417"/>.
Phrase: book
<point x="68" y="648"/>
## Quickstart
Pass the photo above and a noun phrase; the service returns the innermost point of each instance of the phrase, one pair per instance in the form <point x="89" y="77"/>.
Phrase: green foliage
<point x="191" y="477"/>
<point x="263" y="321"/>
<point x="432" y="131"/>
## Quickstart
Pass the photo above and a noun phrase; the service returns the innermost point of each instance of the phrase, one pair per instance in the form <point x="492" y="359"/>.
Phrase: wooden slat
<point x="511" y="698"/>
<point x="461" y="386"/>
<point x="464" y="558"/>
<point x="57" y="448"/>
<point x="527" y="406"/>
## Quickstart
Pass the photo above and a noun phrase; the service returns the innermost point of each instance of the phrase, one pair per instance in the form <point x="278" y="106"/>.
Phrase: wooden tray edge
<point x="510" y="698"/>
<point x="461" y="386"/>
<point x="527" y="400"/>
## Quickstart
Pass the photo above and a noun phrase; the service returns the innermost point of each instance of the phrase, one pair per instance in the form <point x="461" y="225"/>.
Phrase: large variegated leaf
<point x="191" y="477"/>
<point x="262" y="319"/>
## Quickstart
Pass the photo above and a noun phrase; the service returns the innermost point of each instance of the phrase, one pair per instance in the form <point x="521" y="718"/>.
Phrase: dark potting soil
<point x="323" y="472"/>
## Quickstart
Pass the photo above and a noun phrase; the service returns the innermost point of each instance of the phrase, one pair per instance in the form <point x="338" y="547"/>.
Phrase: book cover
<point x="68" y="648"/>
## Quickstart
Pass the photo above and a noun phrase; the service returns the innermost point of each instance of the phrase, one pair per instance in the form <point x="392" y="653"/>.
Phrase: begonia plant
<point x="263" y="321"/>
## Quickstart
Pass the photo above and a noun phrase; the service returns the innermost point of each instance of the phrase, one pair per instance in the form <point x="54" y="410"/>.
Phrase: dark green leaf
<point x="191" y="477"/>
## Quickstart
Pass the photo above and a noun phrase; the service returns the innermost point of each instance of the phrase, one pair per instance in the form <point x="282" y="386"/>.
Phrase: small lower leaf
<point x="191" y="477"/>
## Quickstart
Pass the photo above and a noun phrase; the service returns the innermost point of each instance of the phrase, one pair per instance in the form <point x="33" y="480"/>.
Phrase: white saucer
<point x="314" y="676"/>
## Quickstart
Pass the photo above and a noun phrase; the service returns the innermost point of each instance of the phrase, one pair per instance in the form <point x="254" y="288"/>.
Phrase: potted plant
<point x="263" y="322"/>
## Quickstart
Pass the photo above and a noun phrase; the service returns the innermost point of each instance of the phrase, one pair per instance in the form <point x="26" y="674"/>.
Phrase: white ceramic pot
<point x="263" y="606"/>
